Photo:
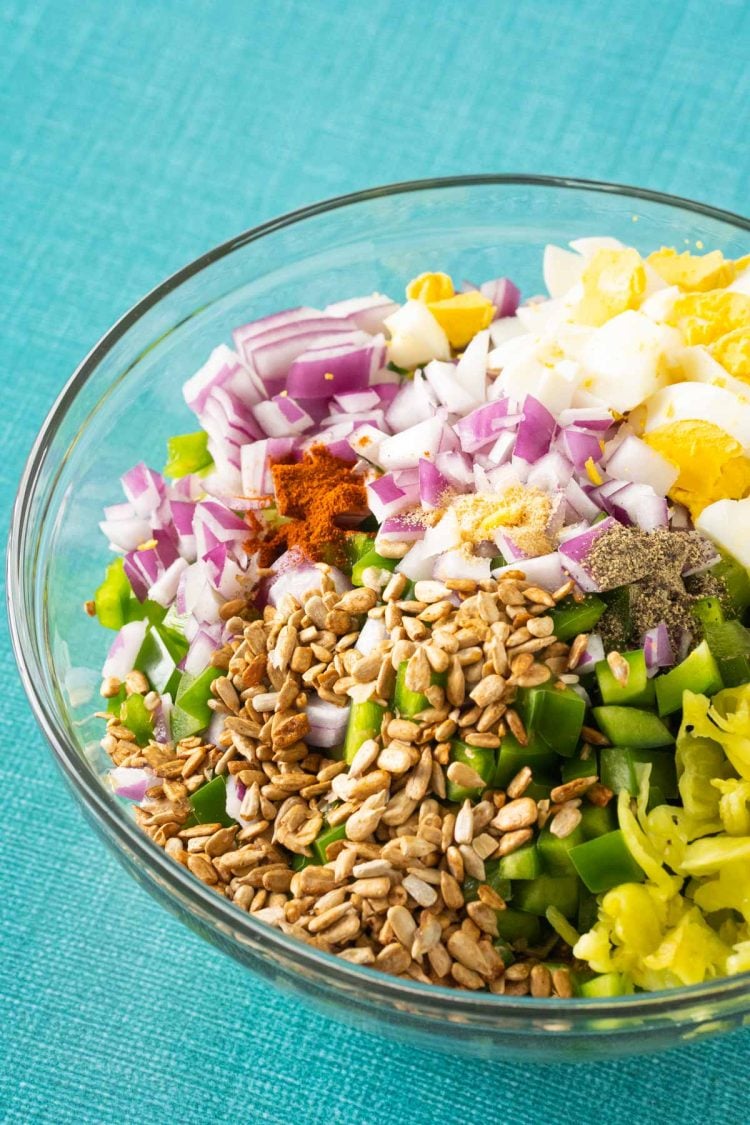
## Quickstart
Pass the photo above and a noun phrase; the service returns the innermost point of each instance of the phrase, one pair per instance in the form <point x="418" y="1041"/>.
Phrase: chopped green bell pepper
<point x="628" y="726"/>
<point x="365" y="721"/>
<point x="604" y="862"/>
<point x="554" y="852"/>
<point x="194" y="693"/>
<point x="492" y="878"/>
<point x="523" y="863"/>
<point x="324" y="840"/>
<point x="112" y="597"/>
<point x="597" y="820"/>
<point x="555" y="716"/>
<point x="512" y="756"/>
<point x="736" y="581"/>
<point x="580" y="767"/>
<point x="372" y="558"/>
<point x="136" y="717"/>
<point x="183" y="725"/>
<point x="618" y="770"/>
<point x="187" y="453"/>
<point x="571" y="618"/>
<point x="480" y="759"/>
<point x="637" y="691"/>
<point x="588" y="911"/>
<point x="698" y="673"/>
<point x="707" y="611"/>
<point x="537" y="895"/>
<point x="409" y="703"/>
<point x="156" y="660"/>
<point x="606" y="985"/>
<point x="516" y="926"/>
<point x="209" y="803"/>
<point x="729" y="643"/>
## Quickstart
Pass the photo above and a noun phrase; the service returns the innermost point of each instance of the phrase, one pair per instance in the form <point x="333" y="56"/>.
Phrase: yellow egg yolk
<point x="694" y="272"/>
<point x="430" y="287"/>
<point x="733" y="352"/>
<point x="462" y="316"/>
<point x="704" y="317"/>
<point x="712" y="464"/>
<point x="613" y="281"/>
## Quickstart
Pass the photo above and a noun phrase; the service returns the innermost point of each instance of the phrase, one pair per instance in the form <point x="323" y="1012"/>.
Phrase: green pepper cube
<point x="629" y="726"/>
<point x="115" y="702"/>
<point x="736" y="581"/>
<point x="605" y="862"/>
<point x="492" y="878"/>
<point x="512" y="757"/>
<point x="409" y="703"/>
<point x="183" y="725"/>
<point x="729" y="643"/>
<point x="618" y="769"/>
<point x="365" y="721"/>
<point x="606" y="985"/>
<point x="478" y="758"/>
<point x="516" y="926"/>
<point x="300" y="862"/>
<point x="187" y="453"/>
<point x="580" y="767"/>
<point x="537" y="895"/>
<point x="598" y="820"/>
<point x="705" y="612"/>
<point x="357" y="545"/>
<point x="112" y="596"/>
<point x="698" y="672"/>
<point x="209" y="803"/>
<point x="372" y="558"/>
<point x="194" y="693"/>
<point x="523" y="863"/>
<point x="538" y="790"/>
<point x="663" y="776"/>
<point x="554" y="852"/>
<point x="136" y="717"/>
<point x="157" y="663"/>
<point x="637" y="687"/>
<point x="554" y="716"/>
<point x="324" y="840"/>
<point x="571" y="618"/>
<point x="588" y="911"/>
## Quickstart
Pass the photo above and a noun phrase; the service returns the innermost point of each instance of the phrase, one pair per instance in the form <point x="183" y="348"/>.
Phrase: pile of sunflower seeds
<point x="391" y="894"/>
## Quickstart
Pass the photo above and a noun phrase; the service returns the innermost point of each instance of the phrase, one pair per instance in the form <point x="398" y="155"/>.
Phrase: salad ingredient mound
<point x="432" y="642"/>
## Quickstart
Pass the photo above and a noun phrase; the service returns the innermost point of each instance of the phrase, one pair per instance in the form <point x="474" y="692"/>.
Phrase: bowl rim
<point x="428" y="1000"/>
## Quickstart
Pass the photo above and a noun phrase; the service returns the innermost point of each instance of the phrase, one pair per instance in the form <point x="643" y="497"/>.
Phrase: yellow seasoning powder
<point x="522" y="513"/>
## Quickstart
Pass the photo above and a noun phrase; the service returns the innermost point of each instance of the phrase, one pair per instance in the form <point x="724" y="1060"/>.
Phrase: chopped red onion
<point x="365" y="441"/>
<point x="593" y="653"/>
<point x="198" y="657"/>
<point x="535" y="431"/>
<point x="457" y="563"/>
<point x="579" y="502"/>
<point x="368" y="313"/>
<point x="657" y="648"/>
<point x="482" y="425"/>
<point x="638" y="504"/>
<point x="415" y="402"/>
<point x="164" y="590"/>
<point x="502" y="451"/>
<point x="372" y="634"/>
<point x="131" y="783"/>
<point x="422" y="440"/>
<point x="551" y="473"/>
<point x="457" y="467"/>
<point x="144" y="489"/>
<point x="471" y="371"/>
<point x="505" y="296"/>
<point x="286" y="319"/>
<point x="144" y="567"/>
<point x="126" y="534"/>
<point x="433" y="485"/>
<point x="587" y="417"/>
<point x="327" y="723"/>
<point x="574" y="554"/>
<point x="124" y="650"/>
<point x="223" y="369"/>
<point x="634" y="460"/>
<point x="355" y="402"/>
<point x="580" y="446"/>
<point x="386" y="498"/>
<point x="443" y="378"/>
<point x="544" y="570"/>
<point x="337" y="368"/>
<point x="281" y="416"/>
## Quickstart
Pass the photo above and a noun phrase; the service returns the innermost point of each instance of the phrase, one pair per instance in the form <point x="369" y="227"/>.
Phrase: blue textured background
<point x="134" y="134"/>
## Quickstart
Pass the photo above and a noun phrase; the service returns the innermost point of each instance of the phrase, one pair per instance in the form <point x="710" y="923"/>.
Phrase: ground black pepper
<point x="650" y="565"/>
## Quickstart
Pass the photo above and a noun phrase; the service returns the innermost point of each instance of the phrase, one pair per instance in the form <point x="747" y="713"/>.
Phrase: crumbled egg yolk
<point x="693" y="272"/>
<point x="732" y="351"/>
<point x="712" y="464"/>
<point x="704" y="317"/>
<point x="430" y="287"/>
<point x="613" y="282"/>
<point x="460" y="315"/>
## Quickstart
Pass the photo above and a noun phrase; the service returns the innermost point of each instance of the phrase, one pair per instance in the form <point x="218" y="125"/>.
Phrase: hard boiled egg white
<point x="727" y="523"/>
<point x="628" y="359"/>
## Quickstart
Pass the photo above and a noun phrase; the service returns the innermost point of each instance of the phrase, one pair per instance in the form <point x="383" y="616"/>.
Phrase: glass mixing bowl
<point x="120" y="406"/>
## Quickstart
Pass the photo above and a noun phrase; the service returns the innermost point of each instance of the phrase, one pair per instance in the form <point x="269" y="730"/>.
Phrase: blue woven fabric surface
<point x="133" y="136"/>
